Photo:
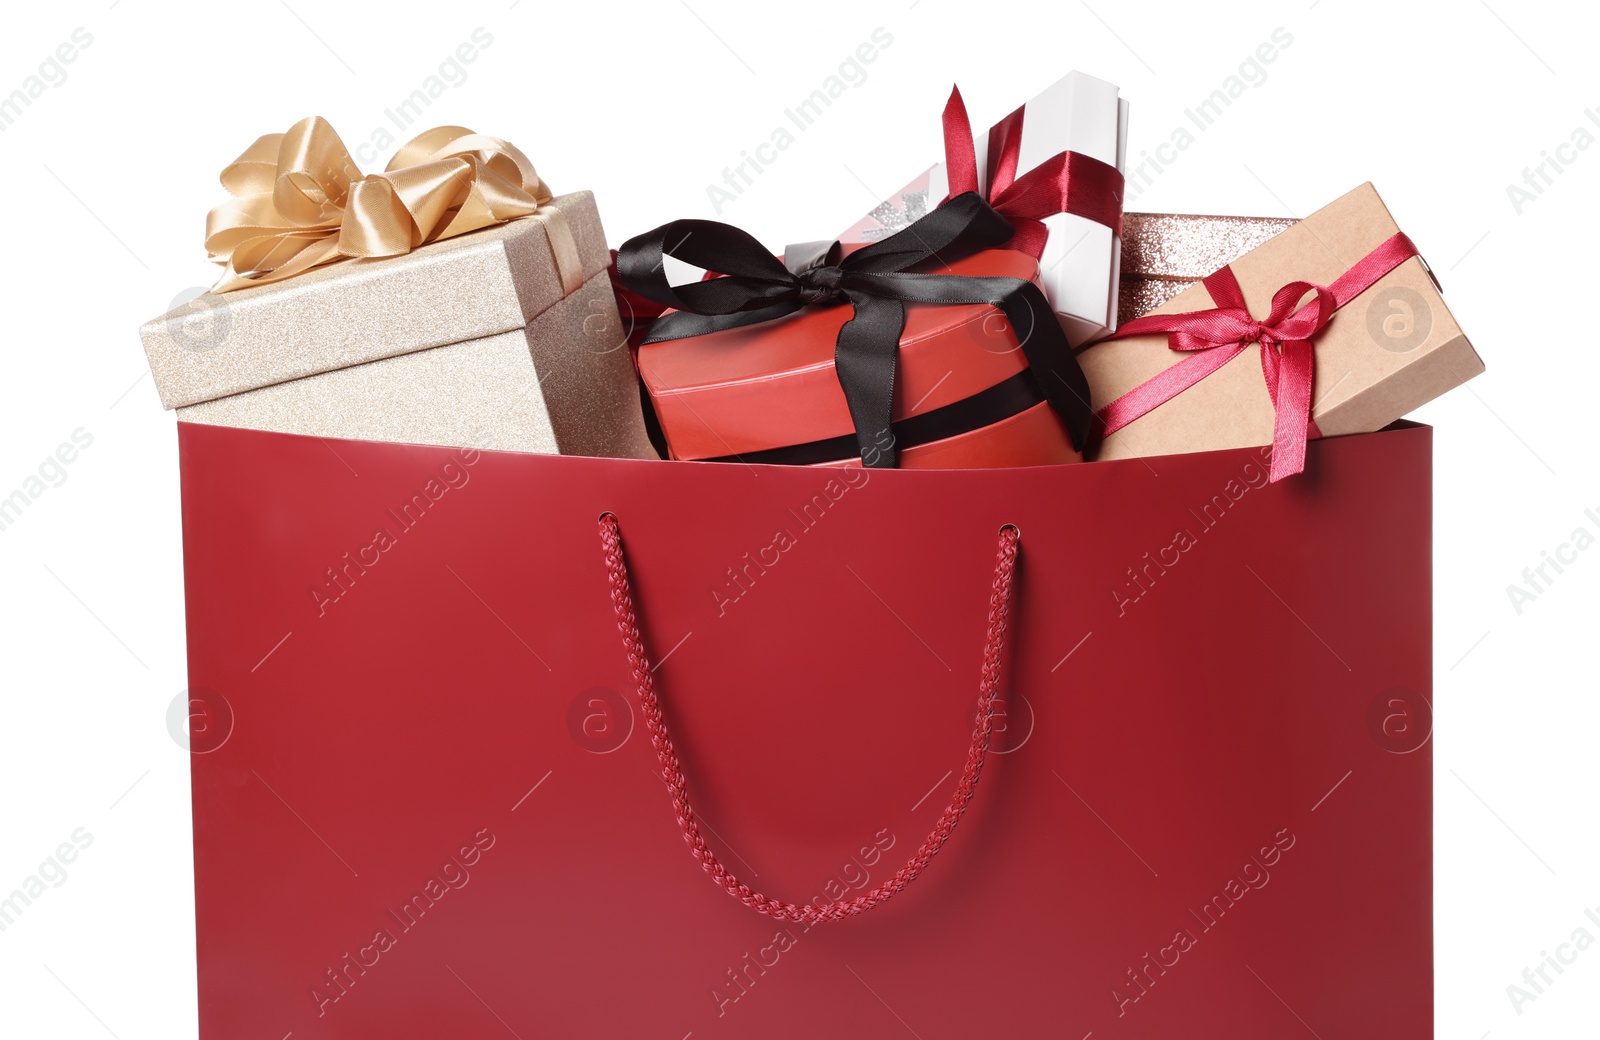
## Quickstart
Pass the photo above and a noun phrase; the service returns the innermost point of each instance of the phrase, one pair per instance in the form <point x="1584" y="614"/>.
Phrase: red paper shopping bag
<point x="431" y="803"/>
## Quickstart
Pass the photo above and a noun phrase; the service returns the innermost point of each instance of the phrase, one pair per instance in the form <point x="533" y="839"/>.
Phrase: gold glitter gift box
<point x="469" y="342"/>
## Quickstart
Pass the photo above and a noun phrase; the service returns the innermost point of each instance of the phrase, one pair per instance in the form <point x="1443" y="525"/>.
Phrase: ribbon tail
<point x="1050" y="360"/>
<point x="864" y="360"/>
<point x="960" y="153"/>
<point x="1005" y="151"/>
<point x="1291" y="401"/>
<point x="1061" y="378"/>
<point x="563" y="248"/>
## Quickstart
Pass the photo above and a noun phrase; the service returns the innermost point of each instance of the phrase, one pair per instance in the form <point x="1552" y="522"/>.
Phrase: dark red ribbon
<point x="1065" y="183"/>
<point x="1215" y="337"/>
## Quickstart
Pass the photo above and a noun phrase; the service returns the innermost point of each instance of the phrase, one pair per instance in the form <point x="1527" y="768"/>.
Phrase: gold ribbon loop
<point x="300" y="202"/>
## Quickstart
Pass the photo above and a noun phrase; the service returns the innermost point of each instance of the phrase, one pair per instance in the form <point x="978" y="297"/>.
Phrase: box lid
<point x="1165" y="253"/>
<point x="1187" y="246"/>
<point x="478" y="284"/>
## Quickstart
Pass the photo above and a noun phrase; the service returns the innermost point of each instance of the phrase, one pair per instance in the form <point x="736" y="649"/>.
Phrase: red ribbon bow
<point x="1214" y="337"/>
<point x="1065" y="183"/>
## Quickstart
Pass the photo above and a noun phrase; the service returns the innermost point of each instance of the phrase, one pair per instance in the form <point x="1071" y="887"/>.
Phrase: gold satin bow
<point x="300" y="202"/>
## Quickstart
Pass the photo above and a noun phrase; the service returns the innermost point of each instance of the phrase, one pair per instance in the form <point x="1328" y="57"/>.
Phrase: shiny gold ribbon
<point x="300" y="202"/>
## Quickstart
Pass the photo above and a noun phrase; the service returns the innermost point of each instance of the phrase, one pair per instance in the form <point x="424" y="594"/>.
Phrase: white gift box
<point x="1079" y="268"/>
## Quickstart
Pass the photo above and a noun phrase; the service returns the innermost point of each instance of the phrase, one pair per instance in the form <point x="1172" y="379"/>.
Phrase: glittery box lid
<point x="1165" y="253"/>
<point x="479" y="284"/>
<point x="1191" y="246"/>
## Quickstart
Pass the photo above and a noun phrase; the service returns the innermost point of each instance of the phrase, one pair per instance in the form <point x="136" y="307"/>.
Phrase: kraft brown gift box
<point x="1388" y="351"/>
<point x="467" y="342"/>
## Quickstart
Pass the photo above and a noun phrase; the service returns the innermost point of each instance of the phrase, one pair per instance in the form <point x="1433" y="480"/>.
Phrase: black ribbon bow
<point x="877" y="281"/>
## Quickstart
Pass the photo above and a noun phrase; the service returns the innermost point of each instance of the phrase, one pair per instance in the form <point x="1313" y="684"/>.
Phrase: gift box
<point x="1079" y="117"/>
<point x="759" y="394"/>
<point x="506" y="336"/>
<point x="925" y="367"/>
<point x="1351" y="330"/>
<point x="1165" y="253"/>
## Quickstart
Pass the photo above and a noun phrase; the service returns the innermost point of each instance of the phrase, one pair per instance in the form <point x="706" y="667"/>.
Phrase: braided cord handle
<point x="677" y="787"/>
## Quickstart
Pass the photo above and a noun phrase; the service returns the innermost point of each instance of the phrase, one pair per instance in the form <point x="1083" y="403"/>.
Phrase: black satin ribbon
<point x="754" y="286"/>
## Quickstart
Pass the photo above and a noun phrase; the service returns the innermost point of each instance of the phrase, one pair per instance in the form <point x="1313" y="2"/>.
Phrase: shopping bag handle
<point x="677" y="787"/>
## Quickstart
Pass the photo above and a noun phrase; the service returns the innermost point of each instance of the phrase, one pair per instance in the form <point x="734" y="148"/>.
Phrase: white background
<point x="106" y="177"/>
